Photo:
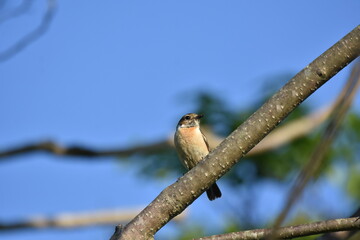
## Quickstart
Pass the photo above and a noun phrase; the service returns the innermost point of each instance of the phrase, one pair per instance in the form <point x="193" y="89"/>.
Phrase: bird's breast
<point x="191" y="136"/>
<point x="190" y="144"/>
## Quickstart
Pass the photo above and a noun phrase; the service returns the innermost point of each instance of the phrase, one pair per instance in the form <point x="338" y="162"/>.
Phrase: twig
<point x="342" y="224"/>
<point x="54" y="148"/>
<point x="344" y="234"/>
<point x="33" y="35"/>
<point x="75" y="220"/>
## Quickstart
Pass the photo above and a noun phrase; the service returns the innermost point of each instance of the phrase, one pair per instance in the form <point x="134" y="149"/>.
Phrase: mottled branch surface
<point x="175" y="198"/>
<point x="343" y="235"/>
<point x="342" y="224"/>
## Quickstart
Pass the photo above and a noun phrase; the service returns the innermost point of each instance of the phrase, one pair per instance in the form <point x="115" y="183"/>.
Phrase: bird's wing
<point x="206" y="142"/>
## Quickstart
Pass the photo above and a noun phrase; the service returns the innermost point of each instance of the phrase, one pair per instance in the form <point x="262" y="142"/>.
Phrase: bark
<point x="342" y="224"/>
<point x="343" y="234"/>
<point x="175" y="198"/>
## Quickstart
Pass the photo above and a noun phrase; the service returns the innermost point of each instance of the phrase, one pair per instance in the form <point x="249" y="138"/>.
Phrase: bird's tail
<point x="213" y="192"/>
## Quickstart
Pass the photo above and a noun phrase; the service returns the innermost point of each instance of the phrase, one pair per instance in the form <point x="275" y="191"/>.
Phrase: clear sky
<point x="116" y="73"/>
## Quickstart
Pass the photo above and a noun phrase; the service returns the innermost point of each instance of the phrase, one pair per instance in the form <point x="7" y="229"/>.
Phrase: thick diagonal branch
<point x="175" y="198"/>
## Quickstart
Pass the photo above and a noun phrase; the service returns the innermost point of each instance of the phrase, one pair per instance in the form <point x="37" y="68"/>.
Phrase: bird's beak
<point x="199" y="116"/>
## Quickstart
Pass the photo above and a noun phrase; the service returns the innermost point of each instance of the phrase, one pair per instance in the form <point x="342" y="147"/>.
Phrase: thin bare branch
<point x="33" y="35"/>
<point x="75" y="220"/>
<point x="343" y="235"/>
<point x="290" y="232"/>
<point x="89" y="153"/>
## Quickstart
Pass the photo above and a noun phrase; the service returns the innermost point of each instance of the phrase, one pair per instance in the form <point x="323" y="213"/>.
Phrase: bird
<point x="192" y="146"/>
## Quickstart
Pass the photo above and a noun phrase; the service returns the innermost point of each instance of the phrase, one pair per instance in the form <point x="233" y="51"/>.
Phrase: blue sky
<point x="116" y="73"/>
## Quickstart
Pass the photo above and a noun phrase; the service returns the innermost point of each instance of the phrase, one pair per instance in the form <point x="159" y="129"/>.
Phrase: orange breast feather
<point x="193" y="138"/>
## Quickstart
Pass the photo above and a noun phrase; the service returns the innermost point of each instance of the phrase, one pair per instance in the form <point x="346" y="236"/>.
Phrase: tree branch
<point x="175" y="198"/>
<point x="89" y="153"/>
<point x="341" y="224"/>
<point x="33" y="35"/>
<point x="74" y="220"/>
<point x="280" y="136"/>
<point x="343" y="234"/>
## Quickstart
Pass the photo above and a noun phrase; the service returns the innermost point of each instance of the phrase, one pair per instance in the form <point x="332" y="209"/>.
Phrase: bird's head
<point x="190" y="120"/>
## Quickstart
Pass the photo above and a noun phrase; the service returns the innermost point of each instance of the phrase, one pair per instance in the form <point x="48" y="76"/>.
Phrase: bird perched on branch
<point x="192" y="146"/>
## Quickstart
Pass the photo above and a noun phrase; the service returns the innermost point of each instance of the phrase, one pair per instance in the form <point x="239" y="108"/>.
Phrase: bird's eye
<point x="187" y="117"/>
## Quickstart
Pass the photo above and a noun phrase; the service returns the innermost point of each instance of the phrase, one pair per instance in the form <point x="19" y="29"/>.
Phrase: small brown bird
<point x="192" y="146"/>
